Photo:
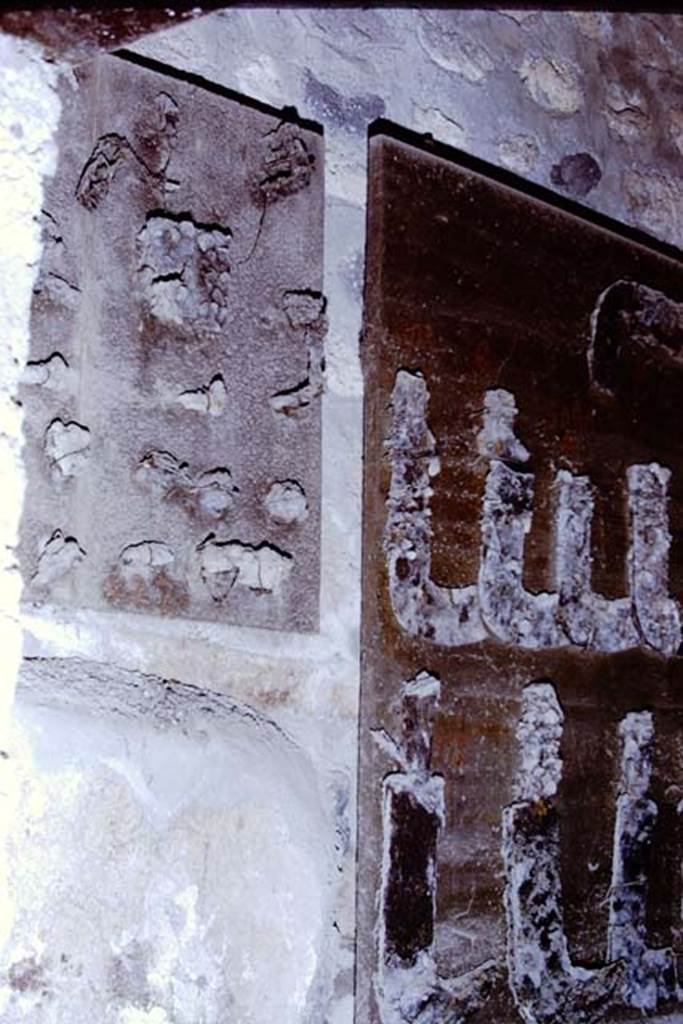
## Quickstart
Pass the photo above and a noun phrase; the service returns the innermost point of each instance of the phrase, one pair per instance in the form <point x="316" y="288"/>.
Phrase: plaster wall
<point x="585" y="103"/>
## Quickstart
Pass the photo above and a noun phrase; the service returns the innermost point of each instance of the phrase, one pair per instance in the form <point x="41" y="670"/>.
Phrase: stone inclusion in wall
<point x="173" y="389"/>
<point x="522" y="577"/>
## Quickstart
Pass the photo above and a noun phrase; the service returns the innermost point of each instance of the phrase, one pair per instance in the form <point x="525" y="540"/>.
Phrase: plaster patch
<point x="304" y="308"/>
<point x="163" y="471"/>
<point x="497" y="438"/>
<point x="58" y="290"/>
<point x="350" y="113"/>
<point x="676" y="129"/>
<point x="593" y="25"/>
<point x="305" y="312"/>
<point x="53" y="373"/>
<point x="146" y="554"/>
<point x="149" y="154"/>
<point x="588" y="619"/>
<point x="295" y="400"/>
<point x="134" y="1015"/>
<point x="539" y="734"/>
<point x="210" y="492"/>
<point x="225" y="564"/>
<point x="59" y="555"/>
<point x="512" y="613"/>
<point x="57" y="275"/>
<point x="67" y="447"/>
<point x="210" y="398"/>
<point x="286" y="502"/>
<point x="101" y="168"/>
<point x="215" y="491"/>
<point x="577" y="173"/>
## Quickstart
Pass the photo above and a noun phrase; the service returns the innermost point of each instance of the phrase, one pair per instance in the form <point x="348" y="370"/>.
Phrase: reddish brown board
<point x="480" y="298"/>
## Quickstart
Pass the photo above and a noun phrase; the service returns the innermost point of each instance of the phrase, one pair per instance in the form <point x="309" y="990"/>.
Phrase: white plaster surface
<point x="178" y="856"/>
<point x="29" y="113"/>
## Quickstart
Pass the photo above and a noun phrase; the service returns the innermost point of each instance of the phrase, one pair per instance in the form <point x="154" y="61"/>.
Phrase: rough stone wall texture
<point x="584" y="103"/>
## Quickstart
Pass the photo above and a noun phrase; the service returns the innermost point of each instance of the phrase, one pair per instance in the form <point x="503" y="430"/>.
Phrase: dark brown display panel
<point x="521" y="756"/>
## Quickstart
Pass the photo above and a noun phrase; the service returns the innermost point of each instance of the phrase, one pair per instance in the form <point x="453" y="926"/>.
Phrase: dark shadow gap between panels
<point x="426" y="143"/>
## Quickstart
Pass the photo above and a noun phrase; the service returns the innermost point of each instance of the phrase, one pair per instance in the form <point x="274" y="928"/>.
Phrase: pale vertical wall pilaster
<point x="29" y="114"/>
